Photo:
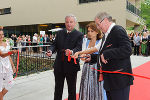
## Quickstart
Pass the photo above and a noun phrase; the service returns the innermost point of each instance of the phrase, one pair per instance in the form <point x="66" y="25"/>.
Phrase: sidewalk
<point x="40" y="86"/>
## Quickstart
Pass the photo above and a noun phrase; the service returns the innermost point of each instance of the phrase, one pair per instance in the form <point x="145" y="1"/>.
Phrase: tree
<point x="145" y="12"/>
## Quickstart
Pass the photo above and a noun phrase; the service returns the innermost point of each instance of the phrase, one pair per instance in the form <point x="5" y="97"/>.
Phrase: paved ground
<point x="40" y="86"/>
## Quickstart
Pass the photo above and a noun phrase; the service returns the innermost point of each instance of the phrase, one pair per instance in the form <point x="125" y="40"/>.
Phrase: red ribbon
<point x="17" y="67"/>
<point x="69" y="58"/>
<point x="75" y="60"/>
<point x="122" y="73"/>
<point x="9" y="53"/>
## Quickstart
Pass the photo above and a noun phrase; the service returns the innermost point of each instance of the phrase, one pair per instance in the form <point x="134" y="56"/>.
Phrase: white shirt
<point x="45" y="39"/>
<point x="34" y="39"/>
<point x="106" y="34"/>
<point x="68" y="31"/>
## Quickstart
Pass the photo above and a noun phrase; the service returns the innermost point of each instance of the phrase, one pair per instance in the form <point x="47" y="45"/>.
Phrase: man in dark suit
<point x="114" y="55"/>
<point x="67" y="40"/>
<point x="46" y="41"/>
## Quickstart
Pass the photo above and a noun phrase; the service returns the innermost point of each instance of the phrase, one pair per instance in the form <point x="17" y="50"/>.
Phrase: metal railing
<point x="32" y="60"/>
<point x="130" y="7"/>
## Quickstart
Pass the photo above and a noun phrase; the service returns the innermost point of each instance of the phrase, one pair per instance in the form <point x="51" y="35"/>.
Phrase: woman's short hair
<point x="1" y="28"/>
<point x="93" y="26"/>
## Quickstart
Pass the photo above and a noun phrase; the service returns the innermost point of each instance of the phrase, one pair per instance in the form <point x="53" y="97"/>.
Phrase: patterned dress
<point x="144" y="45"/>
<point x="90" y="87"/>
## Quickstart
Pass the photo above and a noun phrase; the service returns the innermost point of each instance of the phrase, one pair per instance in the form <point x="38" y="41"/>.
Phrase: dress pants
<point x="136" y="50"/>
<point x="121" y="94"/>
<point x="59" y="84"/>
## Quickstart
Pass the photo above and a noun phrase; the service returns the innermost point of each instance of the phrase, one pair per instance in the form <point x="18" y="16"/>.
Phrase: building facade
<point x="30" y="16"/>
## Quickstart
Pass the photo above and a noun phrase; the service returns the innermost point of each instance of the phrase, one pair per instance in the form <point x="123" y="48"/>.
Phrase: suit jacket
<point x="117" y="51"/>
<point x="74" y="43"/>
<point x="47" y="40"/>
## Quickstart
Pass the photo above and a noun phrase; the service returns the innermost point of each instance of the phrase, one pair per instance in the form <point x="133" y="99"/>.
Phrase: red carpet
<point x="76" y="98"/>
<point x="141" y="88"/>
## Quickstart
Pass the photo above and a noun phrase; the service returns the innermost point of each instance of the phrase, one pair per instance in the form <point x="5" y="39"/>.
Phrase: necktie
<point x="103" y="39"/>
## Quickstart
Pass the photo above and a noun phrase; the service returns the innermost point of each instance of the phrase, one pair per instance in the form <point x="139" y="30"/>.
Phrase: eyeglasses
<point x="101" y="20"/>
<point x="98" y="23"/>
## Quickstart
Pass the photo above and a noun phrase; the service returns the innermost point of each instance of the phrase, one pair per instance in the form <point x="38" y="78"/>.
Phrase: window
<point x="1" y="11"/>
<point x="5" y="11"/>
<point x="86" y="1"/>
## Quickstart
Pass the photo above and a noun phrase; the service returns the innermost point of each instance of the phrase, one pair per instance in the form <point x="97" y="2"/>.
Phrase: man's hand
<point x="103" y="59"/>
<point x="88" y="58"/>
<point x="49" y="53"/>
<point x="67" y="52"/>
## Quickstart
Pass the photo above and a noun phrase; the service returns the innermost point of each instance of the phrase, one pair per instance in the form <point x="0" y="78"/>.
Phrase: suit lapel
<point x="63" y="37"/>
<point x="106" y="42"/>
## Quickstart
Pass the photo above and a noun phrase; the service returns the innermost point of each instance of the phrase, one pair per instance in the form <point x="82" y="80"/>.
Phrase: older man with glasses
<point x="114" y="55"/>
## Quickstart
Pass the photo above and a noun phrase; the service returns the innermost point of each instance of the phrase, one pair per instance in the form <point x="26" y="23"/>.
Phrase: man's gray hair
<point x="102" y="15"/>
<point x="71" y="15"/>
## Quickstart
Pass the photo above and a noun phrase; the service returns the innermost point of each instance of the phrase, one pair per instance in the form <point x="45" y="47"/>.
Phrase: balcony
<point x="131" y="8"/>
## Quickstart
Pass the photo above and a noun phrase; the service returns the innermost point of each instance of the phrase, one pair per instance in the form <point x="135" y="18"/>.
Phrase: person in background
<point x="140" y="35"/>
<point x="144" y="42"/>
<point x="41" y="42"/>
<point x="136" y="41"/>
<point x="144" y="29"/>
<point x="148" y="47"/>
<point x="51" y="39"/>
<point x="35" y="40"/>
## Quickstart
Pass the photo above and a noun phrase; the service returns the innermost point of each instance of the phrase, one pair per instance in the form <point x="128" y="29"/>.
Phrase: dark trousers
<point x="121" y="94"/>
<point x="59" y="84"/>
<point x="148" y="49"/>
<point x="44" y="47"/>
<point x="136" y="50"/>
<point x="34" y="48"/>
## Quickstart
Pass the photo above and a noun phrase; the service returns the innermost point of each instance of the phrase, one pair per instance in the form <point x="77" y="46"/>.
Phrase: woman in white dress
<point x="7" y="67"/>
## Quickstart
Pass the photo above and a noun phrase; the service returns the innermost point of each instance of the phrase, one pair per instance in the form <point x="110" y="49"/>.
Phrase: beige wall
<point x="137" y="3"/>
<point x="5" y="3"/>
<point x="132" y="1"/>
<point x="26" y="12"/>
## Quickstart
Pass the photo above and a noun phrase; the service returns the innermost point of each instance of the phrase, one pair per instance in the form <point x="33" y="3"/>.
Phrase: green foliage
<point x="130" y="28"/>
<point x="145" y="12"/>
<point x="28" y="65"/>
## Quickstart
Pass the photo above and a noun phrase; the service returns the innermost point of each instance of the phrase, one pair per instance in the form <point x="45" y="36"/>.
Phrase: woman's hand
<point x="83" y="57"/>
<point x="75" y="55"/>
<point x="14" y="51"/>
<point x="14" y="69"/>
